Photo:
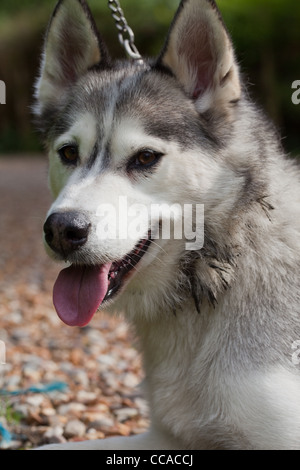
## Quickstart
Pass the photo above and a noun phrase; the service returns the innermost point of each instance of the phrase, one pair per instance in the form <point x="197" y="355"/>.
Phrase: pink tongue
<point x="79" y="291"/>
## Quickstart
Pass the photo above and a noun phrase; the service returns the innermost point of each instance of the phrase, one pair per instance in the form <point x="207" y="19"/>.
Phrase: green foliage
<point x="8" y="413"/>
<point x="266" y="34"/>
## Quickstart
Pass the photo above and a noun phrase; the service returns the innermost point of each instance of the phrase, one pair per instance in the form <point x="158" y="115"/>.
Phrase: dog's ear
<point x="199" y="53"/>
<point x="73" y="45"/>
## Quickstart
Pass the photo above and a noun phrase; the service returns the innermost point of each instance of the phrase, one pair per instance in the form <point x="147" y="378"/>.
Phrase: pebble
<point x="80" y="377"/>
<point x="71" y="409"/>
<point x="126" y="413"/>
<point x="35" y="401"/>
<point x="142" y="406"/>
<point x="103" y="424"/>
<point x="54" y="435"/>
<point x="75" y="428"/>
<point x="86" y="397"/>
<point x="130" y="380"/>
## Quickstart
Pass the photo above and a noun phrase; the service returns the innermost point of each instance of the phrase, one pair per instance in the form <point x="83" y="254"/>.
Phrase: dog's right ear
<point x="73" y="45"/>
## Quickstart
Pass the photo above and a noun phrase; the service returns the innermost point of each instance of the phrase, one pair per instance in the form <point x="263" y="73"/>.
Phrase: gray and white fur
<point x="215" y="326"/>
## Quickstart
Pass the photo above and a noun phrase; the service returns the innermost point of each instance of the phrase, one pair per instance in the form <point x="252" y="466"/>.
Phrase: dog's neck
<point x="173" y="334"/>
<point x="176" y="353"/>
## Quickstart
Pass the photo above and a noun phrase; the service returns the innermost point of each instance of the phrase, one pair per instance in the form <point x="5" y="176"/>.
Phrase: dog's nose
<point x="66" y="232"/>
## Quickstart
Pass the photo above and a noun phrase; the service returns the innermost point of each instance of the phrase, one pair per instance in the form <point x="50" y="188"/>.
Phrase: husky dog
<point x="218" y="326"/>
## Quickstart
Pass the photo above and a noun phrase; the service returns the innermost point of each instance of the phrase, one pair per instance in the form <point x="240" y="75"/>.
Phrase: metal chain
<point x="126" y="35"/>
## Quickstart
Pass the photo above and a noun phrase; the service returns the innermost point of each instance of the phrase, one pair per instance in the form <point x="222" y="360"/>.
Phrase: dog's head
<point x="124" y="138"/>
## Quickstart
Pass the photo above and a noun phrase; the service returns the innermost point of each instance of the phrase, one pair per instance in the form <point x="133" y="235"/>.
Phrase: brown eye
<point x="146" y="158"/>
<point x="69" y="154"/>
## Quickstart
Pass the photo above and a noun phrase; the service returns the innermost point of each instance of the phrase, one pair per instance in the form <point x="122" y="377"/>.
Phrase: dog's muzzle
<point x="66" y="232"/>
<point x="82" y="288"/>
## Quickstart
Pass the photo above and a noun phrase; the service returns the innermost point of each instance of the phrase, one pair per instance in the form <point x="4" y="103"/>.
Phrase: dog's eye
<point x="144" y="160"/>
<point x="69" y="154"/>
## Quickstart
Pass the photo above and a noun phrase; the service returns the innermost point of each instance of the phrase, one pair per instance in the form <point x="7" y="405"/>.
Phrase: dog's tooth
<point x="109" y="293"/>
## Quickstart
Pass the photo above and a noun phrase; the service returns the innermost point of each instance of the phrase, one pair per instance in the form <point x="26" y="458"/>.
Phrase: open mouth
<point x="119" y="269"/>
<point x="80" y="290"/>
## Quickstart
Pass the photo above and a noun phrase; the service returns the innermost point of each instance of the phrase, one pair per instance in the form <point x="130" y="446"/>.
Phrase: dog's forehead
<point x="153" y="99"/>
<point x="141" y="94"/>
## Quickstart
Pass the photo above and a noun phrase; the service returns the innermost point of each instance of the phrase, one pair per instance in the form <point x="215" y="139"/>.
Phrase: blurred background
<point x="266" y="34"/>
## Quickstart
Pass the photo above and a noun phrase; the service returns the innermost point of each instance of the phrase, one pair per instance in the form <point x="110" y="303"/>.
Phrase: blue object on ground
<point x="5" y="434"/>
<point x="52" y="387"/>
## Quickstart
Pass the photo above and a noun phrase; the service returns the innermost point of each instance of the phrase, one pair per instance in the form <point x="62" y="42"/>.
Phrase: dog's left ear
<point x="73" y="45"/>
<point x="199" y="53"/>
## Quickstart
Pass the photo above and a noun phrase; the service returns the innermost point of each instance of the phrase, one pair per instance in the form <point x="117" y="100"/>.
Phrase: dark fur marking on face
<point x="93" y="157"/>
<point x="106" y="157"/>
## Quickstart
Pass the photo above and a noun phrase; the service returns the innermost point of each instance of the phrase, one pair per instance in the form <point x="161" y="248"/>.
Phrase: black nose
<point x="66" y="232"/>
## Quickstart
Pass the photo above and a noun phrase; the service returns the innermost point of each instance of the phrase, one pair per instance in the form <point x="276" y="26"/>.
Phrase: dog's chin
<point x="85" y="286"/>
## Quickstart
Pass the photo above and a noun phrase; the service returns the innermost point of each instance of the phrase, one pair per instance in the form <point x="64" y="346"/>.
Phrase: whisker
<point x="160" y="247"/>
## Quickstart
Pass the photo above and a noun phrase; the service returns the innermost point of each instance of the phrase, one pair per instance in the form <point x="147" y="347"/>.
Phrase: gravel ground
<point x="98" y="365"/>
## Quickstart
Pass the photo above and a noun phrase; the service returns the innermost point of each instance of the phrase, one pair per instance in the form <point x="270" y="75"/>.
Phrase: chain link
<point x="126" y="35"/>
